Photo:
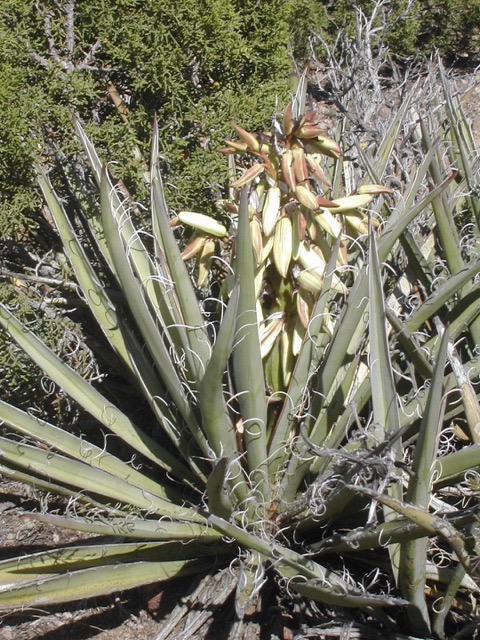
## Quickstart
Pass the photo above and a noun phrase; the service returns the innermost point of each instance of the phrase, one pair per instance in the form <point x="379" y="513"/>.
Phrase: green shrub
<point x="234" y="63"/>
<point x="418" y="27"/>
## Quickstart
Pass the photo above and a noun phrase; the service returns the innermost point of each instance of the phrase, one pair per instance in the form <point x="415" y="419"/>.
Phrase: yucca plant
<point x="313" y="424"/>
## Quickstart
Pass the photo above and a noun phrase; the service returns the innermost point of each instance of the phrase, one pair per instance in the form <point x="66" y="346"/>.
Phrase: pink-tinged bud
<point x="249" y="175"/>
<point x="251" y="139"/>
<point x="311" y="131"/>
<point x="311" y="117"/>
<point x="288" y="170"/>
<point x="193" y="247"/>
<point x="268" y="335"/>
<point x="298" y="232"/>
<point x="299" y="332"/>
<point x="288" y="123"/>
<point x="327" y="146"/>
<point x="328" y="204"/>
<point x="299" y="227"/>
<point x="314" y="164"/>
<point x="257" y="239"/>
<point x="204" y="262"/>
<point x="231" y="207"/>
<point x="306" y="197"/>
<point x="303" y="307"/>
<point x="300" y="164"/>
<point x="241" y="147"/>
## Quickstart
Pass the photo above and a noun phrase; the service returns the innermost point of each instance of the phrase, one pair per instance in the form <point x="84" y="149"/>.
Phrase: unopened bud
<point x="203" y="222"/>
<point x="306" y="197"/>
<point x="373" y="189"/>
<point x="282" y="245"/>
<point x="288" y="171"/>
<point x="311" y="131"/>
<point x="193" y="247"/>
<point x="351" y="202"/>
<point x="271" y="210"/>
<point x="249" y="175"/>
<point x="300" y="164"/>
<point x="250" y="138"/>
<point x="204" y="262"/>
<point x="315" y="165"/>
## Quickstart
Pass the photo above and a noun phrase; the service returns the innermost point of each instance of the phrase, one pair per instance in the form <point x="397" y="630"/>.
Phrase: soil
<point x="135" y="615"/>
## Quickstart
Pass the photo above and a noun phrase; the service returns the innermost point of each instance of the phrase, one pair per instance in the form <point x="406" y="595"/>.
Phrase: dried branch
<point x="69" y="30"/>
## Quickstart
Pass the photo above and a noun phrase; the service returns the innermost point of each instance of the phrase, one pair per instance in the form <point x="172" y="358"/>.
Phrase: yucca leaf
<point x="157" y="285"/>
<point x="422" y="266"/>
<point x="89" y="398"/>
<point x="442" y="295"/>
<point x="395" y="531"/>
<point x="452" y="466"/>
<point x="133" y="526"/>
<point x="185" y="295"/>
<point x="327" y="586"/>
<point x="455" y="582"/>
<point x="302" y="460"/>
<point x="405" y="212"/>
<point x="470" y="400"/>
<point x="376" y="166"/>
<point x="212" y="398"/>
<point x="247" y="360"/>
<point x="463" y="143"/>
<point x="351" y="324"/>
<point x="433" y="524"/>
<point x="75" y="447"/>
<point x="103" y="309"/>
<point x="415" y="407"/>
<point x="326" y="595"/>
<point x="445" y="226"/>
<point x="96" y="166"/>
<point x="409" y="344"/>
<point x="100" y="305"/>
<point x="251" y="573"/>
<point x="28" y="477"/>
<point x="121" y="339"/>
<point x="211" y="392"/>
<point x="85" y="478"/>
<point x="147" y="324"/>
<point x="74" y="558"/>
<point x="386" y="417"/>
<point x="413" y="554"/>
<point x="384" y="397"/>
<point x="96" y="581"/>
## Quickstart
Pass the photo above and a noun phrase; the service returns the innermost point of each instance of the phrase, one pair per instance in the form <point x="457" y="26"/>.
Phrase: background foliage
<point x="71" y="56"/>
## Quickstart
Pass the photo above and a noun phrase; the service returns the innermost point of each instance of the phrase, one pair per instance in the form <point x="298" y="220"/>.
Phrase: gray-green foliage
<point x="22" y="382"/>
<point x="370" y="457"/>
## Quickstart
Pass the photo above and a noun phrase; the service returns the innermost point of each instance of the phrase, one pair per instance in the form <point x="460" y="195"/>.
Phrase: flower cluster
<point x="293" y="225"/>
